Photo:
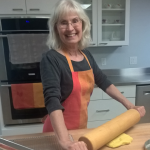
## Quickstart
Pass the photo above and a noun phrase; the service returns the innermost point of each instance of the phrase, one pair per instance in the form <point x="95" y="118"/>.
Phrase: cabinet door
<point x="101" y="111"/>
<point x="12" y="7"/>
<point x="40" y="6"/>
<point x="97" y="94"/>
<point x="106" y="109"/>
<point x="95" y="124"/>
<point x="128" y="91"/>
<point x="90" y="7"/>
<point x="113" y="22"/>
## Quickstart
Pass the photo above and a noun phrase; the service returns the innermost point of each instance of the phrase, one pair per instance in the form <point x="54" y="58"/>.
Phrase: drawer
<point x="97" y="94"/>
<point x="105" y="109"/>
<point x="94" y="124"/>
<point x="127" y="91"/>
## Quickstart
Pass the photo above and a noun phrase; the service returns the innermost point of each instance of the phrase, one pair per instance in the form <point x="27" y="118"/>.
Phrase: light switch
<point x="103" y="61"/>
<point x="133" y="60"/>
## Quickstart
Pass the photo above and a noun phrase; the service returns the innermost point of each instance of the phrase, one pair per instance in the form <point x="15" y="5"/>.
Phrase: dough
<point x="122" y="139"/>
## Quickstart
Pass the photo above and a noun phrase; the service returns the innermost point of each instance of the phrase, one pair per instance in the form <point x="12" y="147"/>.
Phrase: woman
<point x="69" y="74"/>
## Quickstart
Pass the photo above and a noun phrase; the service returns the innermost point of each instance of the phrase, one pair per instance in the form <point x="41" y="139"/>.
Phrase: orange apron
<point x="75" y="113"/>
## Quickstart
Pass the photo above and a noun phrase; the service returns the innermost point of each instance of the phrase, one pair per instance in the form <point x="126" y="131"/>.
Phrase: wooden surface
<point x="140" y="134"/>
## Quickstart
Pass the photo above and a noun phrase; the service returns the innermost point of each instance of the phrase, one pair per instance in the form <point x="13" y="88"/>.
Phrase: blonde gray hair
<point x="62" y="8"/>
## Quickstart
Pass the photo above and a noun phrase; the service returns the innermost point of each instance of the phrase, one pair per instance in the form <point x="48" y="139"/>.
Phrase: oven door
<point x="12" y="116"/>
<point x="21" y="72"/>
<point x="25" y="72"/>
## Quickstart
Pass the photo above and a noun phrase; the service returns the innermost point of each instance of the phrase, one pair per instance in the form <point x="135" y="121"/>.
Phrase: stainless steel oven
<point x="18" y="73"/>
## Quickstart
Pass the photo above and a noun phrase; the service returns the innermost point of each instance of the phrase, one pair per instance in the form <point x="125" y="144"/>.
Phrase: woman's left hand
<point x="115" y="94"/>
<point x="140" y="109"/>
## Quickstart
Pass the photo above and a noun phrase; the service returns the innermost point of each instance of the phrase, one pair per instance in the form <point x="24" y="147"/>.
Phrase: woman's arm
<point x="62" y="134"/>
<point x="59" y="127"/>
<point x="103" y="83"/>
<point x="115" y="94"/>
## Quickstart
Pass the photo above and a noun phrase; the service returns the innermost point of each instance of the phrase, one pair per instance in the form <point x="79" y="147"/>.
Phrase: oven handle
<point x="2" y="36"/>
<point x="6" y="85"/>
<point x="147" y="93"/>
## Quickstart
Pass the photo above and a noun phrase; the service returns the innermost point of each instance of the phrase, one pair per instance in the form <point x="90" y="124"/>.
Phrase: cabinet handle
<point x="34" y="9"/>
<point x="92" y="44"/>
<point x="147" y="93"/>
<point x="103" y="43"/>
<point x="2" y="36"/>
<point x="122" y="92"/>
<point x="102" y="110"/>
<point x="31" y="74"/>
<point x="17" y="9"/>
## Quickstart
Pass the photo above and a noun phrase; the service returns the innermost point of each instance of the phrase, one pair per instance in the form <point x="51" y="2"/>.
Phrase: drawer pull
<point x="122" y="92"/>
<point x="147" y="93"/>
<point x="105" y="110"/>
<point x="92" y="44"/>
<point x="103" y="43"/>
<point x="17" y="9"/>
<point x="34" y="9"/>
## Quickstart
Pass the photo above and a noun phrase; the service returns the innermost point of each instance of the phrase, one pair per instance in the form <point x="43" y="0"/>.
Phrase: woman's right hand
<point x="69" y="145"/>
<point x="62" y="134"/>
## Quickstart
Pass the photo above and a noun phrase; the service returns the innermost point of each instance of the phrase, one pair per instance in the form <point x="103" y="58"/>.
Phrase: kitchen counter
<point x="140" y="134"/>
<point x="128" y="76"/>
<point x="130" y="80"/>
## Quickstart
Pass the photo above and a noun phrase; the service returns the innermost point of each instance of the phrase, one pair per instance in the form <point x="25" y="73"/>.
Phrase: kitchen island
<point x="140" y="134"/>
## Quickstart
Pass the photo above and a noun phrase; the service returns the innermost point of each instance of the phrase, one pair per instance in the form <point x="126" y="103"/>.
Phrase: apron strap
<point x="86" y="58"/>
<point x="70" y="63"/>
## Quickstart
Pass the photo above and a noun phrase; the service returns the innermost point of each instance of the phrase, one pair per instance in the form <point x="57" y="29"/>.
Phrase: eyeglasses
<point x="74" y="22"/>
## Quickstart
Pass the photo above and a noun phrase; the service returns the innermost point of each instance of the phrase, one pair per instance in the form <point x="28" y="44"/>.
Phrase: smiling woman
<point x="63" y="9"/>
<point x="69" y="72"/>
<point x="70" y="30"/>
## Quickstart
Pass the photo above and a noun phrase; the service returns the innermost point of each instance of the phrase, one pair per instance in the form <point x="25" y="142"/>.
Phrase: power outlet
<point x="103" y="61"/>
<point x="133" y="60"/>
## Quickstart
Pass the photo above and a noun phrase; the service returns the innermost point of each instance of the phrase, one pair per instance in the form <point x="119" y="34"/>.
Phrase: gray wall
<point x="139" y="41"/>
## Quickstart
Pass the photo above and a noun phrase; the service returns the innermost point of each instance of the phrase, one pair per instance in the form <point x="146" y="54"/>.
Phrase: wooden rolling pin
<point x="103" y="134"/>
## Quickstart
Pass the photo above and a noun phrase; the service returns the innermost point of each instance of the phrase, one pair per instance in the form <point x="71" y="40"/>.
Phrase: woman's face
<point x="69" y="29"/>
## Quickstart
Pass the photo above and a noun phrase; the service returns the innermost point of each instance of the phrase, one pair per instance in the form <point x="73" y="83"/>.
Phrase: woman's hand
<point x="73" y="145"/>
<point x="115" y="94"/>
<point x="140" y="109"/>
<point x="62" y="134"/>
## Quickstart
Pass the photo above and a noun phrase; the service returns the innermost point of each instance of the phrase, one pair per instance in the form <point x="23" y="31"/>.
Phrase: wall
<point x="139" y="41"/>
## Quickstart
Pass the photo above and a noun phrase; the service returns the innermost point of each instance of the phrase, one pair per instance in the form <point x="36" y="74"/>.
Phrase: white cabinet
<point x="104" y="108"/>
<point x="12" y="7"/>
<point x="40" y="7"/>
<point x="127" y="91"/>
<point x="109" y="26"/>
<point x="97" y="94"/>
<point x="90" y="7"/>
<point x="27" y="6"/>
<point x="113" y="22"/>
<point x="96" y="123"/>
<point x="21" y="129"/>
